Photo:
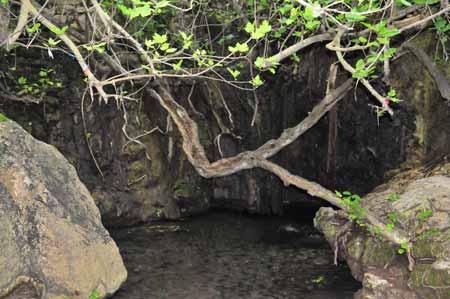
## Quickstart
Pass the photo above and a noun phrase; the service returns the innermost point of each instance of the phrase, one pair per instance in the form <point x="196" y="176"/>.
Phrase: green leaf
<point x="441" y="25"/>
<point x="149" y="43"/>
<point x="3" y="118"/>
<point x="234" y="73"/>
<point x="187" y="40"/>
<point x="403" y="2"/>
<point x="354" y="17"/>
<point x="393" y="197"/>
<point x="162" y="4"/>
<point x="22" y="80"/>
<point x="171" y="50"/>
<point x="34" y="28"/>
<point x="249" y="28"/>
<point x="58" y="31"/>
<point x="177" y="67"/>
<point x="338" y="194"/>
<point x="403" y="248"/>
<point x="260" y="63"/>
<point x="425" y="214"/>
<point x="52" y="42"/>
<point x="384" y="31"/>
<point x="393" y="217"/>
<point x="312" y="25"/>
<point x="312" y="13"/>
<point x="262" y="30"/>
<point x="429" y="2"/>
<point x="239" y="48"/>
<point x="99" y="47"/>
<point x="164" y="47"/>
<point x="390" y="226"/>
<point x="159" y="38"/>
<point x="141" y="11"/>
<point x="257" y="81"/>
<point x="390" y="52"/>
<point x="94" y="294"/>
<point x="383" y="40"/>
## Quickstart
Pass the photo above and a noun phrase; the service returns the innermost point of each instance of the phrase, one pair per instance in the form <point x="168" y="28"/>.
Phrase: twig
<point x="336" y="43"/>
<point x="427" y="19"/>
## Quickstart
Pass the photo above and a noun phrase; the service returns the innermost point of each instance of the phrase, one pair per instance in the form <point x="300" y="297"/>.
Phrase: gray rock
<point x="51" y="236"/>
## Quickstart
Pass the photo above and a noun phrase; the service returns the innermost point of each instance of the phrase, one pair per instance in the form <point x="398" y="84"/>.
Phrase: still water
<point x="232" y="256"/>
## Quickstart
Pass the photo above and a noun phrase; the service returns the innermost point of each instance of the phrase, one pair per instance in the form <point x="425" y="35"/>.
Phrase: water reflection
<point x="225" y="255"/>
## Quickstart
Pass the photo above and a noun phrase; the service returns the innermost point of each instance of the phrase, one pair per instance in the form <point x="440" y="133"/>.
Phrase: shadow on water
<point x="229" y="255"/>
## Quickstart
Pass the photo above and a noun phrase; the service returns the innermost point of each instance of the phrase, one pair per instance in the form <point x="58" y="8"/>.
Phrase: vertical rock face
<point x="52" y="242"/>
<point x="419" y="91"/>
<point x="422" y="208"/>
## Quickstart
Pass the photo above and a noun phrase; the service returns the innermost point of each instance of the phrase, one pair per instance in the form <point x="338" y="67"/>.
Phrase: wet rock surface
<point x="52" y="242"/>
<point x="224" y="255"/>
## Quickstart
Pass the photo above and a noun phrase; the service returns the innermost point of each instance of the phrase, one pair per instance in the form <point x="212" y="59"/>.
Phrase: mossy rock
<point x="323" y="221"/>
<point x="184" y="189"/>
<point x="134" y="149"/>
<point x="355" y="247"/>
<point x="136" y="171"/>
<point x="377" y="253"/>
<point x="430" y="282"/>
<point x="432" y="243"/>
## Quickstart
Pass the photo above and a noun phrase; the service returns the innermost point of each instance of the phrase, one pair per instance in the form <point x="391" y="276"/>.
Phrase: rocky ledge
<point x="421" y="206"/>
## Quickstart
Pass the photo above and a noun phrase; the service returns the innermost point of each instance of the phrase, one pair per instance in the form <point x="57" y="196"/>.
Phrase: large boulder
<point x="420" y="206"/>
<point x="52" y="242"/>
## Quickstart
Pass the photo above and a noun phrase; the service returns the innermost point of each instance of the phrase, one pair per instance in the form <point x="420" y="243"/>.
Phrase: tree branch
<point x="196" y="153"/>
<point x="336" y="43"/>
<point x="427" y="19"/>
<point x="299" y="46"/>
<point x="440" y="79"/>
<point x="21" y="23"/>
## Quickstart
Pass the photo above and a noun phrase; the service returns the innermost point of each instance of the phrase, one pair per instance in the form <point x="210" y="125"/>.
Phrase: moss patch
<point x="432" y="243"/>
<point x="376" y="253"/>
<point x="183" y="189"/>
<point x="425" y="276"/>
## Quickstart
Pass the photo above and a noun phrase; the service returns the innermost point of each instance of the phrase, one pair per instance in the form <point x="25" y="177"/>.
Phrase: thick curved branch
<point x="396" y="236"/>
<point x="196" y="153"/>
<point x="257" y="158"/>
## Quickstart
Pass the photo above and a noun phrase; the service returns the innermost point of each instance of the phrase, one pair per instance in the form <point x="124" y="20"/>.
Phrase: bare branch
<point x="299" y="46"/>
<point x="21" y="23"/>
<point x="427" y="19"/>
